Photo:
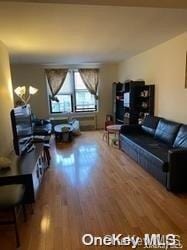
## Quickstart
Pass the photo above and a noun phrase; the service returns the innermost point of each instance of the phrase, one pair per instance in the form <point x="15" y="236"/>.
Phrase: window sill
<point x="57" y="115"/>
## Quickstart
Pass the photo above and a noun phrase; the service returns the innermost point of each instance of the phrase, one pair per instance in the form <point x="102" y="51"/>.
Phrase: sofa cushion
<point x="149" y="124"/>
<point x="153" y="150"/>
<point x="166" y="131"/>
<point x="181" y="138"/>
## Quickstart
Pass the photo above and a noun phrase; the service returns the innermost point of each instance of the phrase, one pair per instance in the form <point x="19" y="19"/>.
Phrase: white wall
<point x="108" y="75"/>
<point x="163" y="65"/>
<point x="6" y="102"/>
<point x="34" y="75"/>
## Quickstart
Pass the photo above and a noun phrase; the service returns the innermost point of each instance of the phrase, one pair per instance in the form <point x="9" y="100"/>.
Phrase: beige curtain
<point x="55" y="78"/>
<point x="90" y="78"/>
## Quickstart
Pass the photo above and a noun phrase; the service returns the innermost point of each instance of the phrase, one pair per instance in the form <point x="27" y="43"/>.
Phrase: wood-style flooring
<point x="93" y="188"/>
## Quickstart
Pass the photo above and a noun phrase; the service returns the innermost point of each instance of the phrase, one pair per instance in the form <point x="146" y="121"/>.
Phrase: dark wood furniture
<point x="11" y="198"/>
<point x="132" y="101"/>
<point x="28" y="170"/>
<point x="118" y="108"/>
<point x="141" y="102"/>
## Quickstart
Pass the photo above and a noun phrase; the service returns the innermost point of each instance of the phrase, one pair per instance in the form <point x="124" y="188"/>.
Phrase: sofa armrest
<point x="130" y="129"/>
<point x="177" y="174"/>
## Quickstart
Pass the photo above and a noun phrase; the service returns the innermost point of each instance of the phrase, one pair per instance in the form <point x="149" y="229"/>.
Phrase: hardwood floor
<point x="94" y="188"/>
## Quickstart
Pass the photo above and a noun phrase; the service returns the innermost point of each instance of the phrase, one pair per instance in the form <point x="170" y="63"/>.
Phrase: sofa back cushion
<point x="181" y="138"/>
<point x="166" y="131"/>
<point x="149" y="124"/>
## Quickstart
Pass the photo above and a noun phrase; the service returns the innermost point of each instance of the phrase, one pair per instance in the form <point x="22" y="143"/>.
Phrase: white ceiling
<point x="71" y="34"/>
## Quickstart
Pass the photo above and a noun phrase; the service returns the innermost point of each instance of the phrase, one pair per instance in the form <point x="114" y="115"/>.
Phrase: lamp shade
<point x="20" y="91"/>
<point x="32" y="90"/>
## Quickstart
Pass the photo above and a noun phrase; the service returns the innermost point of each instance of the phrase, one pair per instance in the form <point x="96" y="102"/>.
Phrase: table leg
<point x="108" y="137"/>
<point x="118" y="140"/>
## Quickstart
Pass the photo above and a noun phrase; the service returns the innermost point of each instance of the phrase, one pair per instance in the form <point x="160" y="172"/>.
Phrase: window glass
<point x="73" y="96"/>
<point x="64" y="104"/>
<point x="67" y="87"/>
<point x="84" y="100"/>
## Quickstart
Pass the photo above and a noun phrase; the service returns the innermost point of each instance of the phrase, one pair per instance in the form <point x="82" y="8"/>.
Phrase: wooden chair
<point x="11" y="197"/>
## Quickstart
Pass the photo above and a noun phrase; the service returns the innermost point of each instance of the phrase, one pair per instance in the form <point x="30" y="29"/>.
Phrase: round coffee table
<point x="63" y="133"/>
<point x="113" y="129"/>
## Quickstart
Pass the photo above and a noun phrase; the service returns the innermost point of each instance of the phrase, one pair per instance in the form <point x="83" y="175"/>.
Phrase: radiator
<point x="87" y="122"/>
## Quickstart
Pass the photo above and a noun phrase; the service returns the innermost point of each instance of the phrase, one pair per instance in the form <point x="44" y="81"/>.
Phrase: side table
<point x="63" y="133"/>
<point x="113" y="129"/>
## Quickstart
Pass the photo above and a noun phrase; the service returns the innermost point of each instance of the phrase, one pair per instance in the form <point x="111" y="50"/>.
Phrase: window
<point x="64" y="97"/>
<point x="64" y="104"/>
<point x="84" y="101"/>
<point x="73" y="96"/>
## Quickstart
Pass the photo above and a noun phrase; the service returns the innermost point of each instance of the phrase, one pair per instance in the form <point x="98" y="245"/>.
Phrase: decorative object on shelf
<point x="21" y="92"/>
<point x="144" y="105"/>
<point x="144" y="93"/>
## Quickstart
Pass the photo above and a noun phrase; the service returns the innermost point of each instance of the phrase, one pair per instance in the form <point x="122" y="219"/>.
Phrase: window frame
<point x="60" y="112"/>
<point x="73" y="99"/>
<point x="86" y="109"/>
<point x="74" y="90"/>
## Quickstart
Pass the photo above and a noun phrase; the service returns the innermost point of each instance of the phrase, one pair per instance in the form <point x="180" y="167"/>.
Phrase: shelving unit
<point x="118" y="108"/>
<point x="141" y="103"/>
<point x="132" y="101"/>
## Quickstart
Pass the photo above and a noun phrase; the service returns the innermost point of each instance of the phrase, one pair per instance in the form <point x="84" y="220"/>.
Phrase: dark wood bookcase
<point x="118" y="108"/>
<point x="132" y="101"/>
<point x="27" y="169"/>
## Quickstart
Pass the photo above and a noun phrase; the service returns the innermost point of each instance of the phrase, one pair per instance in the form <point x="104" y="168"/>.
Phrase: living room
<point x="90" y="188"/>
